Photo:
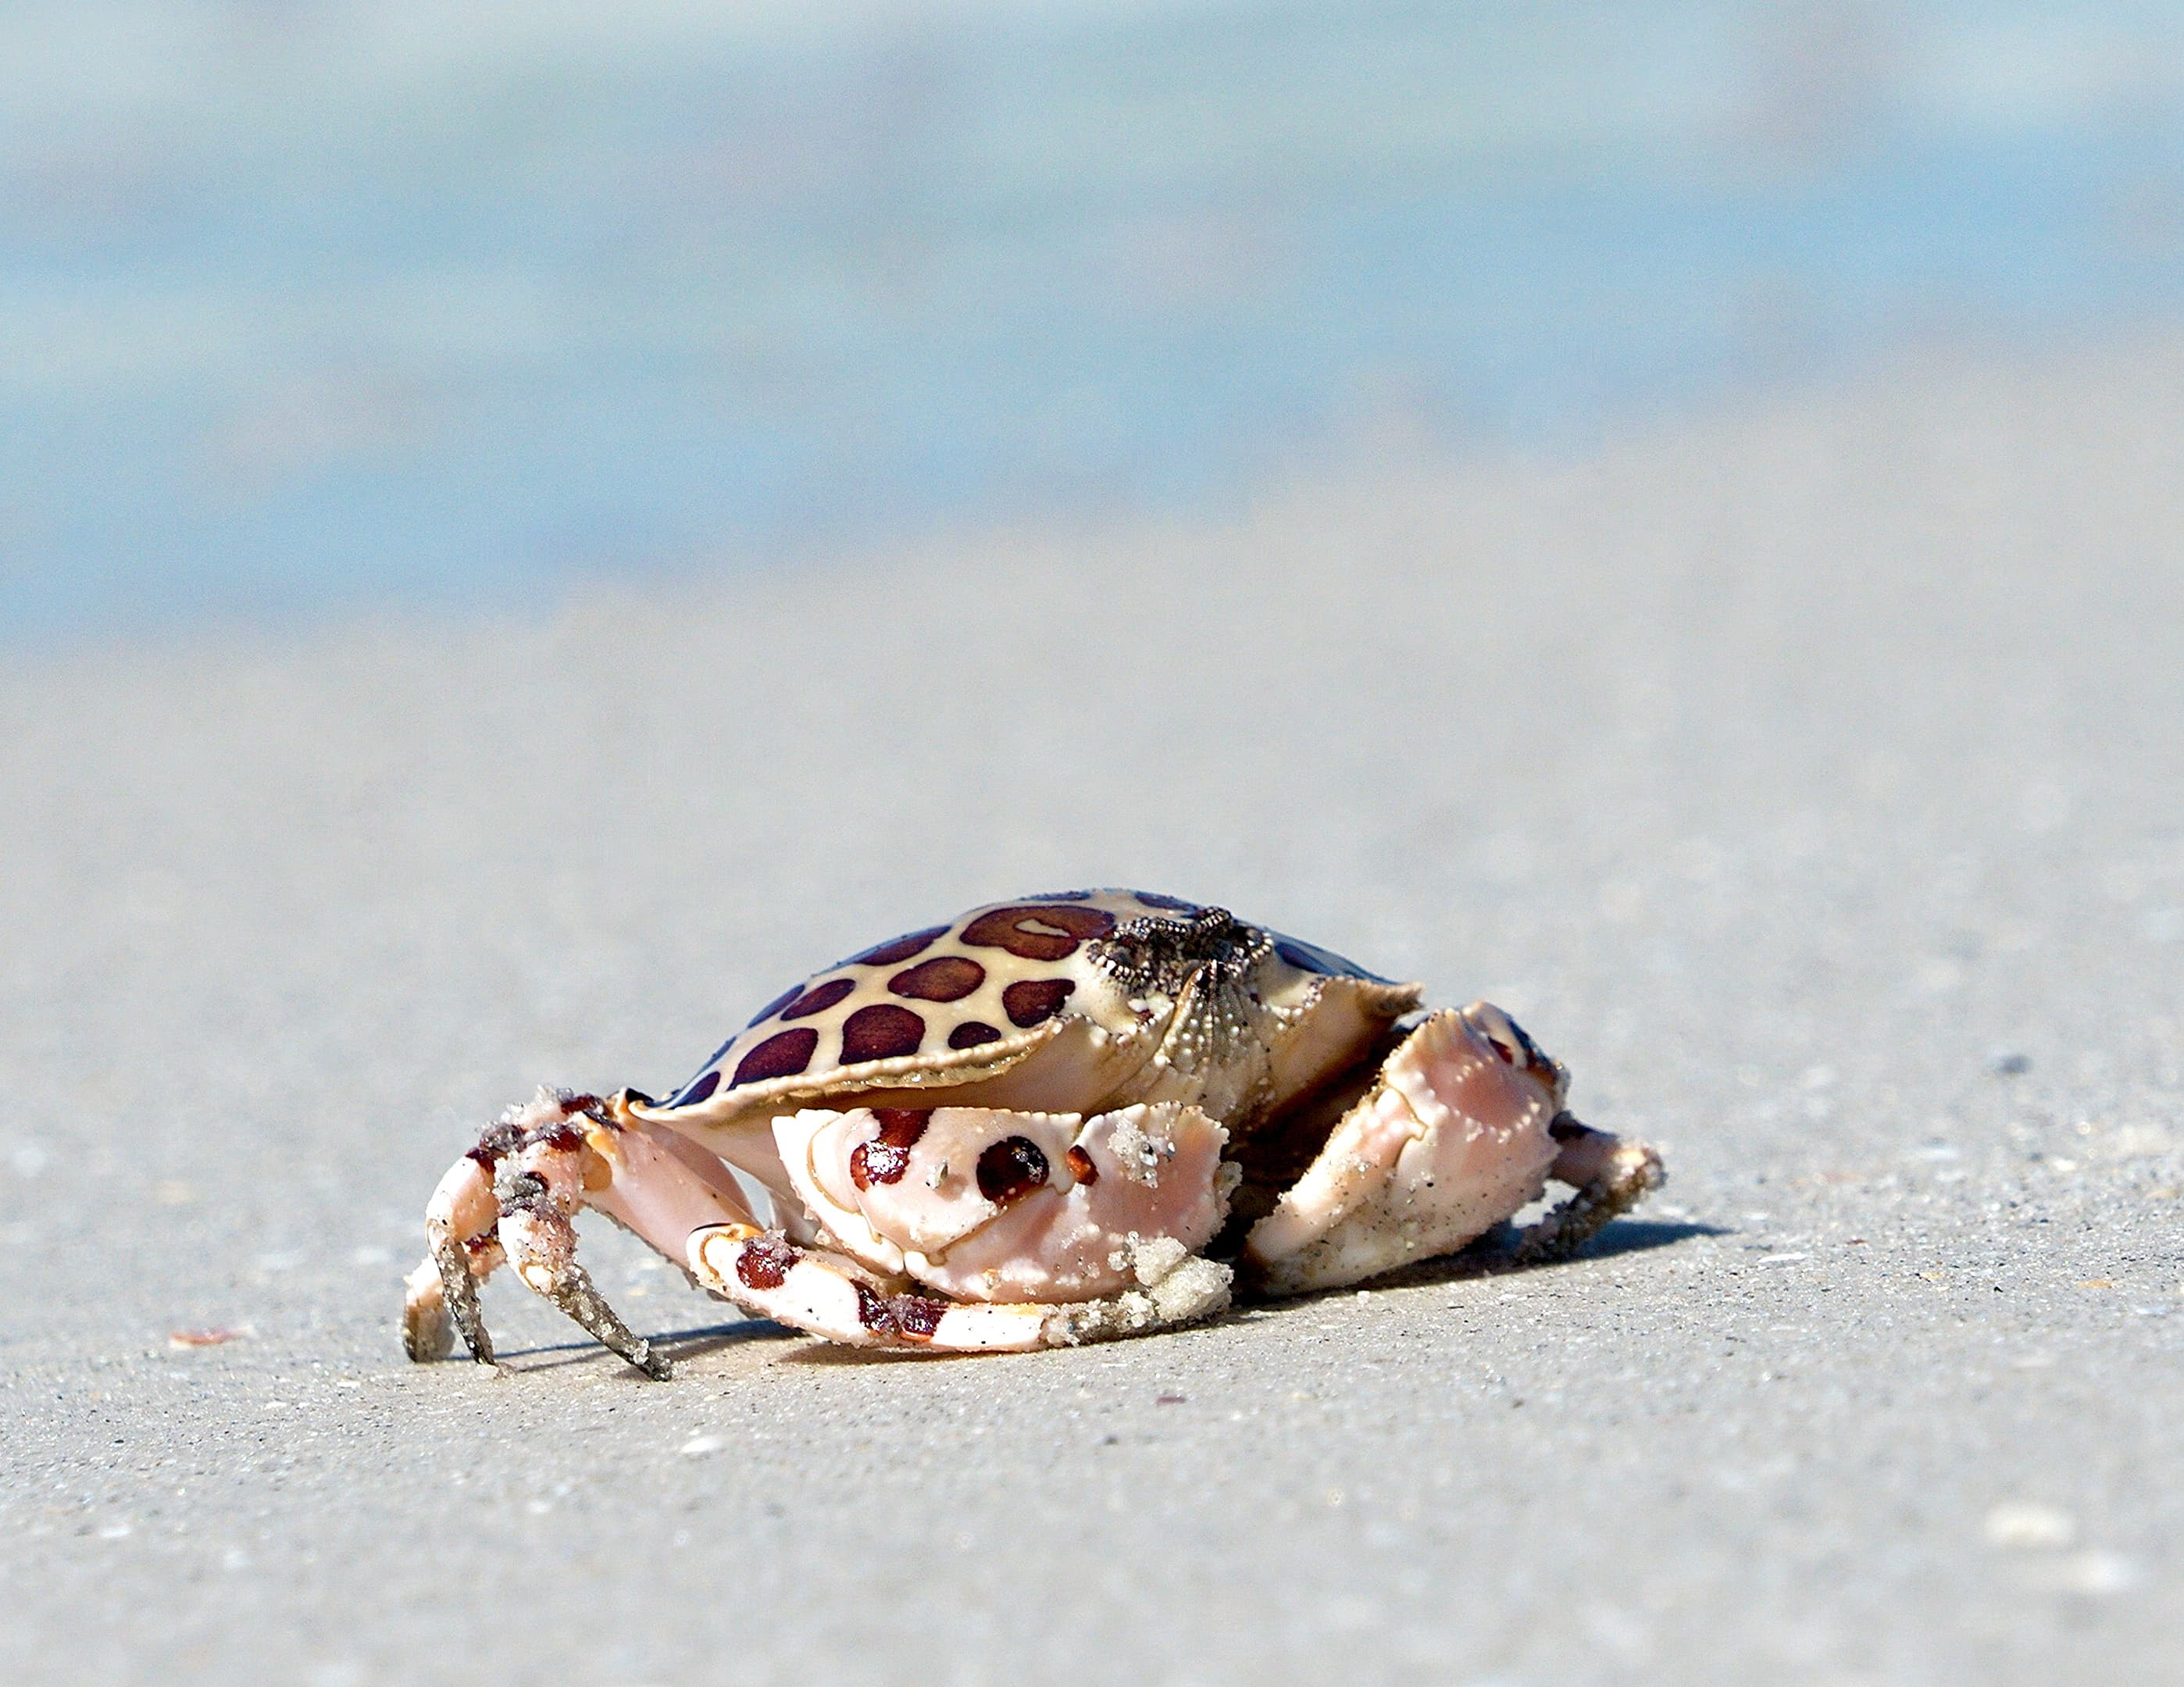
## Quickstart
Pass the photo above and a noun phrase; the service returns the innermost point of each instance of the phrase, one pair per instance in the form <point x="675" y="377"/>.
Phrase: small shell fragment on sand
<point x="215" y="1336"/>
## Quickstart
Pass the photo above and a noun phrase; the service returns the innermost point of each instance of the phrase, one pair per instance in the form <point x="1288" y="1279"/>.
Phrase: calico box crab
<point x="1050" y="1121"/>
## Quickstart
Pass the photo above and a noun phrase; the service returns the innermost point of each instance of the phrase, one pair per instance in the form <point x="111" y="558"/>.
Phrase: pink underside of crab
<point x="930" y="1212"/>
<point x="1027" y="1229"/>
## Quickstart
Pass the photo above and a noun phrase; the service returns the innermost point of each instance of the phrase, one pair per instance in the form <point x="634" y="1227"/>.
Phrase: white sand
<point x="1786" y="773"/>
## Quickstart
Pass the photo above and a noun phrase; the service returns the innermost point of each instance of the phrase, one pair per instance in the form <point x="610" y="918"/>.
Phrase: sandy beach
<point x="1810" y="779"/>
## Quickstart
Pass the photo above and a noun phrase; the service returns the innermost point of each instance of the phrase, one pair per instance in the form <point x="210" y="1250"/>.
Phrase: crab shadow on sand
<point x="1491" y="1256"/>
<point x="1494" y="1255"/>
<point x="678" y="1344"/>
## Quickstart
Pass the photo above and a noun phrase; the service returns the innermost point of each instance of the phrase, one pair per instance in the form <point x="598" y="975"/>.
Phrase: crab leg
<point x="536" y="1201"/>
<point x="548" y="1161"/>
<point x="1611" y="1175"/>
<point x="830" y="1294"/>
<point x="464" y="1248"/>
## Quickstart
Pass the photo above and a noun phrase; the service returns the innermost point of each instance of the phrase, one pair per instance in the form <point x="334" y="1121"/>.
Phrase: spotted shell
<point x="963" y="1003"/>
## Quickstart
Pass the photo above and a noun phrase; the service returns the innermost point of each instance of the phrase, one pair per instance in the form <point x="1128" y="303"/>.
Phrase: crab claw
<point x="1610" y="1175"/>
<point x="441" y="1295"/>
<point x="1451" y="1139"/>
<point x="1462" y="1126"/>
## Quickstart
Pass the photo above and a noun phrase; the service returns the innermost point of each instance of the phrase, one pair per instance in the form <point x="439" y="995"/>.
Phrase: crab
<point x="1067" y="1118"/>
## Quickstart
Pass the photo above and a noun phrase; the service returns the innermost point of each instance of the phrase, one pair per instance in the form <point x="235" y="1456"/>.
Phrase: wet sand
<point x="1810" y="780"/>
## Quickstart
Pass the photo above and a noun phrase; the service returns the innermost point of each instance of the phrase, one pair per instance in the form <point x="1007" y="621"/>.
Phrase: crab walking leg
<point x="1611" y="1175"/>
<point x="462" y="1250"/>
<point x="537" y="1207"/>
<point x="655" y="1185"/>
<point x="830" y="1294"/>
<point x="550" y="1159"/>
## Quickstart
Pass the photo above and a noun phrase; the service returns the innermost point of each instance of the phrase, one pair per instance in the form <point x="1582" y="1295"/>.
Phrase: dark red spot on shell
<point x="819" y="997"/>
<point x="776" y="1005"/>
<point x="1081" y="1166"/>
<point x="903" y="1126"/>
<point x="876" y="1162"/>
<point x="682" y="1098"/>
<point x="699" y="1091"/>
<point x="1044" y="931"/>
<point x="896" y="950"/>
<point x="916" y="1316"/>
<point x="882" y="1032"/>
<point x="784" y="1055"/>
<point x="1153" y="899"/>
<point x="1033" y="1001"/>
<point x="1011" y="1169"/>
<point x="971" y="1032"/>
<point x="886" y="1157"/>
<point x="766" y="1260"/>
<point x="946" y="978"/>
<point x="1508" y="1054"/>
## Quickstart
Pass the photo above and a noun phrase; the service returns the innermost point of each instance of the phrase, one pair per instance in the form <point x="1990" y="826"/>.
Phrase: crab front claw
<point x="1461" y="1126"/>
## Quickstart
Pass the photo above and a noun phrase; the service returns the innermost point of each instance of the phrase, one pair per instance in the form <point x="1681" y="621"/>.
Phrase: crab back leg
<point x="1460" y="1127"/>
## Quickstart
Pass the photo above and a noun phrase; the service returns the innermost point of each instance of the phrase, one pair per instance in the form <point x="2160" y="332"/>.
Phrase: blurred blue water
<point x="306" y="307"/>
